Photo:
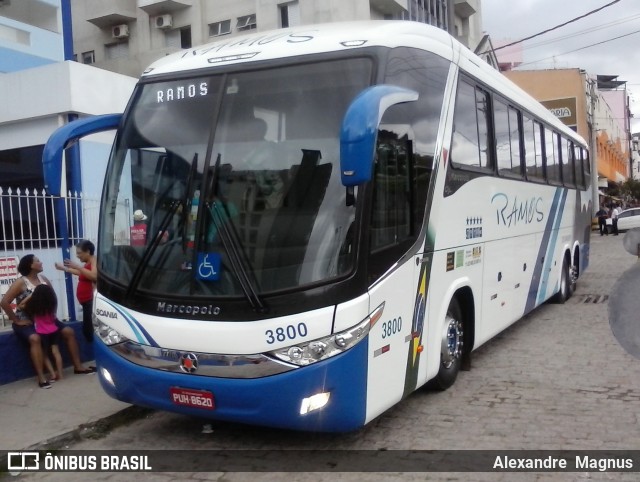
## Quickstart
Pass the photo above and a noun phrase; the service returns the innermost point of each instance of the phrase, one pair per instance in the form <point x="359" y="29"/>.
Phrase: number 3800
<point x="391" y="327"/>
<point x="289" y="332"/>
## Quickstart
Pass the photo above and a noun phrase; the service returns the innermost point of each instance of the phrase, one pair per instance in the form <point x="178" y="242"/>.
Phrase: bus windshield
<point x="229" y="184"/>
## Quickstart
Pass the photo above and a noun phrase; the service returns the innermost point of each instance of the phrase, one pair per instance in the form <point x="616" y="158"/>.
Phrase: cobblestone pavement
<point x="556" y="380"/>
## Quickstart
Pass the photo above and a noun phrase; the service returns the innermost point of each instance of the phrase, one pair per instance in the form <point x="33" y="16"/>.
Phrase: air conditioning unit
<point x="120" y="31"/>
<point x="163" y="21"/>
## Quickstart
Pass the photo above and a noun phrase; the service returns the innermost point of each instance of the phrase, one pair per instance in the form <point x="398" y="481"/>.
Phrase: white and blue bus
<point x="334" y="216"/>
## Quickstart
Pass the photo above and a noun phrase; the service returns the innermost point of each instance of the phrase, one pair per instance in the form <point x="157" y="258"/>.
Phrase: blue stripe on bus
<point x="544" y="246"/>
<point x="270" y="401"/>
<point x="142" y="335"/>
<point x="548" y="259"/>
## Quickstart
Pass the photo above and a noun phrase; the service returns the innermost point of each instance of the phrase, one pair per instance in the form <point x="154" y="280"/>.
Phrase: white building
<point x="127" y="35"/>
<point x="635" y="156"/>
<point x="40" y="91"/>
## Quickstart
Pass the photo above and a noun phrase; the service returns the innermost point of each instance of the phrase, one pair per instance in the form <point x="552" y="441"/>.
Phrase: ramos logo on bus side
<point x="511" y="212"/>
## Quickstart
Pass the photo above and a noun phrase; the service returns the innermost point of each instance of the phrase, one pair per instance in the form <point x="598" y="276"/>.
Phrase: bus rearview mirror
<point x="360" y="127"/>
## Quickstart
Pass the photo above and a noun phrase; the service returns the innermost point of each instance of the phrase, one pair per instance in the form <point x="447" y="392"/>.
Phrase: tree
<point x="631" y="188"/>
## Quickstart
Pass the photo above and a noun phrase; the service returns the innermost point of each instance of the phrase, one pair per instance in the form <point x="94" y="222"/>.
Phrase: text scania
<point x="187" y="309"/>
<point x="182" y="92"/>
<point x="105" y="313"/>
<point x="511" y="212"/>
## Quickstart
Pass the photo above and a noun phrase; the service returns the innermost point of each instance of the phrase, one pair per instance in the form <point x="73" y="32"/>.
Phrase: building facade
<point x="597" y="115"/>
<point x="635" y="156"/>
<point x="126" y="36"/>
<point x="39" y="92"/>
<point x="31" y="34"/>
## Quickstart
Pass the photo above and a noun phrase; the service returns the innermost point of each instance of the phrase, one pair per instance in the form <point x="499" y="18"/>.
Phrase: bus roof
<point x="304" y="40"/>
<point x="343" y="36"/>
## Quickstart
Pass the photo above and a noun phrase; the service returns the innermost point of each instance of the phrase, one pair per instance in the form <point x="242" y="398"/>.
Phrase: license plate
<point x="192" y="398"/>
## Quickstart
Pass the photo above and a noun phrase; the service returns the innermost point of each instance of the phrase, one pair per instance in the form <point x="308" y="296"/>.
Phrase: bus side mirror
<point x="64" y="137"/>
<point x="360" y="128"/>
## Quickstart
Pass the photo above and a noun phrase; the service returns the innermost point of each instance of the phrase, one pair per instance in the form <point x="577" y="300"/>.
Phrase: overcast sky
<point x="510" y="19"/>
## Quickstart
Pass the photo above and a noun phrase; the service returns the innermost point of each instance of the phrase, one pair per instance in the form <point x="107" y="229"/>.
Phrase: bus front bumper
<point x="285" y="400"/>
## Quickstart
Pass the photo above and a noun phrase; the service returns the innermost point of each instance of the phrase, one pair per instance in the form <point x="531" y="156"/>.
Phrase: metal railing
<point x="34" y="222"/>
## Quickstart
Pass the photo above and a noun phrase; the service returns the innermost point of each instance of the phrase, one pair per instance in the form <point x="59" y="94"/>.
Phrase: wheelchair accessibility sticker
<point x="208" y="266"/>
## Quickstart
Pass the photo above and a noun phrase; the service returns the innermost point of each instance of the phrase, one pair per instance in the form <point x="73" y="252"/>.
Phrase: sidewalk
<point x="35" y="418"/>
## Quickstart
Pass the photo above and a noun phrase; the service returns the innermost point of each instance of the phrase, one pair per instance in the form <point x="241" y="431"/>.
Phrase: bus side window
<point x="586" y="165"/>
<point x="507" y="133"/>
<point x="538" y="130"/>
<point x="392" y="229"/>
<point x="568" y="173"/>
<point x="553" y="168"/>
<point x="470" y="143"/>
<point x="391" y="219"/>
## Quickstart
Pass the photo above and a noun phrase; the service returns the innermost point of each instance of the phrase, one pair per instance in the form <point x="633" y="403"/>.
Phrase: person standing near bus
<point x="87" y="274"/>
<point x="614" y="218"/>
<point x="602" y="216"/>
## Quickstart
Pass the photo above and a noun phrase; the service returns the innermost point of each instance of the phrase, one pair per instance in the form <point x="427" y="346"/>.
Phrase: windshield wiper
<point x="233" y="247"/>
<point x="229" y="236"/>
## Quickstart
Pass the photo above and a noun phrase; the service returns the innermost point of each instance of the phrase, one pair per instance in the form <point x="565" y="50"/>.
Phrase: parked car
<point x="629" y="219"/>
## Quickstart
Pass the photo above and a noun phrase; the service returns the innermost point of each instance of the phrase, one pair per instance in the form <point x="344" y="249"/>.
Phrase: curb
<point x="91" y="430"/>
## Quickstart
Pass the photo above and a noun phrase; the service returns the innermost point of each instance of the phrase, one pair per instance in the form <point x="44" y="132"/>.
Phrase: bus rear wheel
<point x="567" y="284"/>
<point x="451" y="350"/>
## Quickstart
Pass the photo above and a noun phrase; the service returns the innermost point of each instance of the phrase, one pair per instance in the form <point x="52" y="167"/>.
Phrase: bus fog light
<point x="314" y="402"/>
<point x="106" y="376"/>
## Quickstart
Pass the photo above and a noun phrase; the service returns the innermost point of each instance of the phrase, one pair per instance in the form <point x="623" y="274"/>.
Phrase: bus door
<point x="394" y="351"/>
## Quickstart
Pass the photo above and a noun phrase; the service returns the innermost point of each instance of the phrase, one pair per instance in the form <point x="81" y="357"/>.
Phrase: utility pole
<point x="593" y="144"/>
<point x="627" y="126"/>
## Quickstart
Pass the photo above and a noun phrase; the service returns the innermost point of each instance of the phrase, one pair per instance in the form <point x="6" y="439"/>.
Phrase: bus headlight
<point x="328" y="346"/>
<point x="107" y="334"/>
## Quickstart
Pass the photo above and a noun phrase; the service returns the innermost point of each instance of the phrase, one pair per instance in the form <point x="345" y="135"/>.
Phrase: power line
<point x="582" y="48"/>
<point x="579" y="33"/>
<point x="556" y="27"/>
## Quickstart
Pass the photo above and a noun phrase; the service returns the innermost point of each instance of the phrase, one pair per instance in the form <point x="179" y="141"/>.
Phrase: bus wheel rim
<point x="451" y="341"/>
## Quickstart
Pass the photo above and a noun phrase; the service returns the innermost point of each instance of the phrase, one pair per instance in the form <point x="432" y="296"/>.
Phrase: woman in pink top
<point x="41" y="307"/>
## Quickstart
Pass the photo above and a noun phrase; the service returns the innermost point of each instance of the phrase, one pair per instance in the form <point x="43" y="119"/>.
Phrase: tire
<point x="567" y="285"/>
<point x="451" y="349"/>
<point x="573" y="279"/>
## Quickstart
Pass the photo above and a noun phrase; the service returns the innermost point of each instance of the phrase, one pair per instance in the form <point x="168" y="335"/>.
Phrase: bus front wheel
<point x="451" y="348"/>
